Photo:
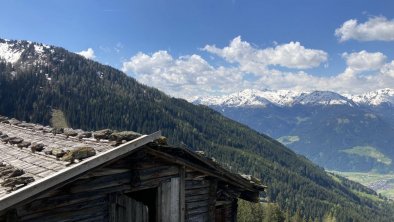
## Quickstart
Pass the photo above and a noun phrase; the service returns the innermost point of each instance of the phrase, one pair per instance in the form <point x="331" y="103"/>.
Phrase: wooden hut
<point x="68" y="175"/>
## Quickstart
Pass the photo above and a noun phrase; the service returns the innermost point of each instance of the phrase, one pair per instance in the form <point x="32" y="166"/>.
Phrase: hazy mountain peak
<point x="376" y="97"/>
<point x="322" y="98"/>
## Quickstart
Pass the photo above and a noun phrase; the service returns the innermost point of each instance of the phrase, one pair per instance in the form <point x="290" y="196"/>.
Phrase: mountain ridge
<point x="253" y="97"/>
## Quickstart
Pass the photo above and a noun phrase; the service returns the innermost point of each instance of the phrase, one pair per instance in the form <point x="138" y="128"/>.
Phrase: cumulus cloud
<point x="192" y="76"/>
<point x="185" y="76"/>
<point x="364" y="61"/>
<point x="290" y="55"/>
<point x="376" y="28"/>
<point x="88" y="53"/>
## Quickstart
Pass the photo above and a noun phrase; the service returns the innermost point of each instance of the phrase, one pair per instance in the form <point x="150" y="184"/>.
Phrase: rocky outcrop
<point x="124" y="135"/>
<point x="70" y="132"/>
<point x="57" y="152"/>
<point x="37" y="147"/>
<point x="85" y="135"/>
<point x="102" y="134"/>
<point x="14" y="182"/>
<point x="57" y="131"/>
<point x="24" y="144"/>
<point x="14" y="121"/>
<point x="78" y="153"/>
<point x="162" y="140"/>
<point x="15" y="140"/>
<point x="12" y="177"/>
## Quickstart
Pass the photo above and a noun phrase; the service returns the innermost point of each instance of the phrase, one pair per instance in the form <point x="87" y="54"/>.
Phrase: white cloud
<point x="364" y="61"/>
<point x="88" y="53"/>
<point x="388" y="70"/>
<point x="291" y="55"/>
<point x="376" y="28"/>
<point x="184" y="77"/>
<point x="191" y="76"/>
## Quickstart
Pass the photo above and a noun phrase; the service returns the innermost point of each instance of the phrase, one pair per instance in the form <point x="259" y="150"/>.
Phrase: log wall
<point x="200" y="196"/>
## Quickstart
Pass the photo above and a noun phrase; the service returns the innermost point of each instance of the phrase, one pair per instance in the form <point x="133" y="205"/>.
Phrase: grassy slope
<point x="58" y="119"/>
<point x="368" y="151"/>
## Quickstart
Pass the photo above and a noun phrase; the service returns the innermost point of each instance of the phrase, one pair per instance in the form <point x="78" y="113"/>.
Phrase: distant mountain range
<point x="341" y="132"/>
<point x="288" y="98"/>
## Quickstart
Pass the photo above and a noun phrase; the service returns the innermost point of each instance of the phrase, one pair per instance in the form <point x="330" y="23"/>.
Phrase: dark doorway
<point x="148" y="197"/>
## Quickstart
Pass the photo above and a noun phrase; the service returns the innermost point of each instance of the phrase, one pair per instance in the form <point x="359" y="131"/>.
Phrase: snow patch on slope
<point x="39" y="49"/>
<point x="9" y="52"/>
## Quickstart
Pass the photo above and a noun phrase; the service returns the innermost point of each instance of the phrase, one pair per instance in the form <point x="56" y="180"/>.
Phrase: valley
<point x="382" y="183"/>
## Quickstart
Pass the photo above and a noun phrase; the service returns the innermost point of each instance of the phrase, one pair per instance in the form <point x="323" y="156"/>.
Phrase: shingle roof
<point x="38" y="164"/>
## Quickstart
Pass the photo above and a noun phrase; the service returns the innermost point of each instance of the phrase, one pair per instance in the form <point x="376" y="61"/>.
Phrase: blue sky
<point x="179" y="46"/>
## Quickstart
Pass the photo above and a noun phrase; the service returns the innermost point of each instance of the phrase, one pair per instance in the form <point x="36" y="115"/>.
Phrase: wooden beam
<point x="197" y="167"/>
<point x="182" y="193"/>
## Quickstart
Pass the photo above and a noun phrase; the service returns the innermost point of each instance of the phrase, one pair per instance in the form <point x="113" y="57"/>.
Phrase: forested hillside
<point x="93" y="96"/>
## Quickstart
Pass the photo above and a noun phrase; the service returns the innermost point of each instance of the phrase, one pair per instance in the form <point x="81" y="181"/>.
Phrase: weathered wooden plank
<point x="195" y="175"/>
<point x="57" y="202"/>
<point x="192" y="192"/>
<point x="169" y="200"/>
<point x="197" y="204"/>
<point x="190" y="184"/>
<point x="104" y="172"/>
<point x="174" y="199"/>
<point x="144" y="164"/>
<point x="112" y="207"/>
<point x="196" y="211"/>
<point x="197" y="198"/>
<point x="213" y="186"/>
<point x="100" y="182"/>
<point x="72" y="211"/>
<point x="97" y="218"/>
<point x="157" y="172"/>
<point x="182" y="195"/>
<point x="223" y="202"/>
<point x="198" y="218"/>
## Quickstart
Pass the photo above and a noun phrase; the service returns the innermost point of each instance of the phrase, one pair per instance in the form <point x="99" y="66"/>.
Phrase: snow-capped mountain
<point x="257" y="98"/>
<point x="322" y="98"/>
<point x="375" y="98"/>
<point x="13" y="51"/>
<point x="252" y="97"/>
